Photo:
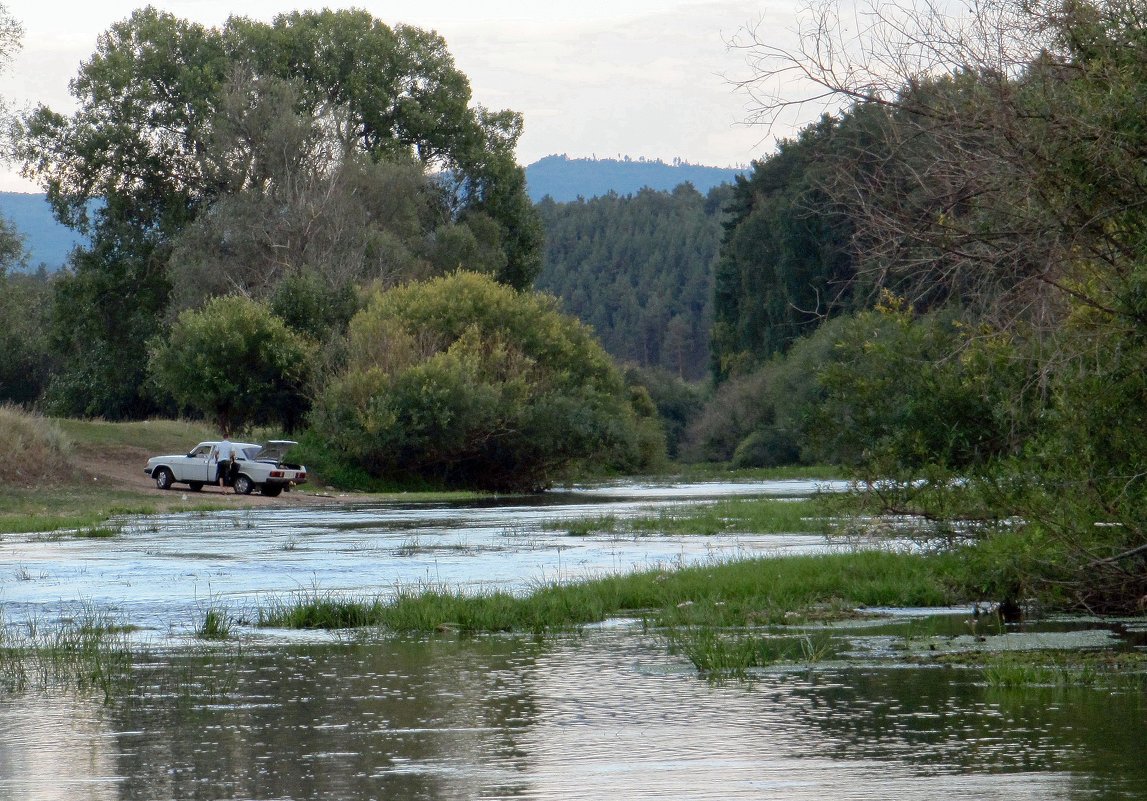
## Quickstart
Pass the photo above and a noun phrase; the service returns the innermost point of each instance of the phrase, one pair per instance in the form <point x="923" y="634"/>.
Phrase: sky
<point x="595" y="78"/>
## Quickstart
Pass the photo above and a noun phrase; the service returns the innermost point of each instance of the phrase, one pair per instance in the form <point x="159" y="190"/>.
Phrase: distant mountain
<point x="48" y="243"/>
<point x="565" y="179"/>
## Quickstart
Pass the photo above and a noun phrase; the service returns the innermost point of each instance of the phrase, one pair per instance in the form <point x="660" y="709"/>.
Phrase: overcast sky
<point x="643" y="78"/>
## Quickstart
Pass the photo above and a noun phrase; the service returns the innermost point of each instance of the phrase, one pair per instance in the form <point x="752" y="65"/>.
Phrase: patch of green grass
<point x="217" y="625"/>
<point x="734" y="594"/>
<point x="586" y="526"/>
<point x="98" y="532"/>
<point x="709" y="471"/>
<point x="738" y="515"/>
<point x="734" y="653"/>
<point x="155" y="436"/>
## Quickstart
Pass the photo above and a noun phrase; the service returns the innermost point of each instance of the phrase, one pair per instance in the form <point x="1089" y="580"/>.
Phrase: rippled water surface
<point x="609" y="713"/>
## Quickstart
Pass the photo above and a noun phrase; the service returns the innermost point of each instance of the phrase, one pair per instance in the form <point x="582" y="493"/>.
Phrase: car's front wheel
<point x="243" y="485"/>
<point x="164" y="478"/>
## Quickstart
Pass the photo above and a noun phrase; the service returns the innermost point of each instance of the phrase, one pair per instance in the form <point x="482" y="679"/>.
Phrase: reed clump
<point x="90" y="653"/>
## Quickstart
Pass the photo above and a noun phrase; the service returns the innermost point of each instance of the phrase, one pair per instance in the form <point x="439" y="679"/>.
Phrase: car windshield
<point x="250" y="452"/>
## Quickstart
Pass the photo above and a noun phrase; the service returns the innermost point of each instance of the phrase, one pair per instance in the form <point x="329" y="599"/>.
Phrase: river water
<point x="607" y="713"/>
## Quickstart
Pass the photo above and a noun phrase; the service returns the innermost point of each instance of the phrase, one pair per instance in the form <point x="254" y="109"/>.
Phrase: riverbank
<point x="102" y="477"/>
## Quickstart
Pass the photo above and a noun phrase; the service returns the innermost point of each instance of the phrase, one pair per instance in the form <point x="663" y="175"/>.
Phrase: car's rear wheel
<point x="272" y="490"/>
<point x="195" y="485"/>
<point x="164" y="478"/>
<point x="243" y="485"/>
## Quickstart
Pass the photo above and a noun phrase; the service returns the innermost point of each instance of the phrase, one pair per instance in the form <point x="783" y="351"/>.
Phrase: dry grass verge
<point x="33" y="450"/>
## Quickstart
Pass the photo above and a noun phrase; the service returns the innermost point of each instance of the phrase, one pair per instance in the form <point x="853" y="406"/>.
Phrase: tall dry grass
<point x="33" y="450"/>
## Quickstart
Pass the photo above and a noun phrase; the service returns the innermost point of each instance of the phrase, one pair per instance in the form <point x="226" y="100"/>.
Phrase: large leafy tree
<point x="182" y="130"/>
<point x="461" y="381"/>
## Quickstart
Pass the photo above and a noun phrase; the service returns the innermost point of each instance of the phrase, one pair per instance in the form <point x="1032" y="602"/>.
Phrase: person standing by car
<point x="225" y="455"/>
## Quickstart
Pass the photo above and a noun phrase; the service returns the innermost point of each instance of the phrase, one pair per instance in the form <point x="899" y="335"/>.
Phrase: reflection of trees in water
<point x="944" y="719"/>
<point x="604" y="715"/>
<point x="400" y="718"/>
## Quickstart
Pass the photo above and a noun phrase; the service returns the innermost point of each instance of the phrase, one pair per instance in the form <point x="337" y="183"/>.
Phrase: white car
<point x="257" y="467"/>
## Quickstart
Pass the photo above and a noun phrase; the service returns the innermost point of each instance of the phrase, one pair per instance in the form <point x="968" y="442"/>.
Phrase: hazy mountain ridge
<point x="564" y="179"/>
<point x="48" y="243"/>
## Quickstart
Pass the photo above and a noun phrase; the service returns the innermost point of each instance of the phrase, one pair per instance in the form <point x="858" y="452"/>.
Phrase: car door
<point x="199" y="466"/>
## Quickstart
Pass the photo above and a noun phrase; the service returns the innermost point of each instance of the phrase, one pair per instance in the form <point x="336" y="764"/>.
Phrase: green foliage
<point x="676" y="401"/>
<point x="235" y="362"/>
<point x="465" y="382"/>
<point x="225" y="159"/>
<point x="785" y="259"/>
<point x="104" y="312"/>
<point x="904" y="392"/>
<point x="762" y="419"/>
<point x="25" y="356"/>
<point x="639" y="270"/>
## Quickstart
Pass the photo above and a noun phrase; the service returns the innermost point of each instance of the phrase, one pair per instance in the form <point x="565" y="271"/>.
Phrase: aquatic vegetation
<point x="98" y="532"/>
<point x="217" y="625"/>
<point x="1112" y="670"/>
<point x="740" y="593"/>
<point x="727" y="516"/>
<point x="734" y="653"/>
<point x="89" y="653"/>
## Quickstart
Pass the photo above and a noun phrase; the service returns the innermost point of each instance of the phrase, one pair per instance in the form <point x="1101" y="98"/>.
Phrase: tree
<point x="463" y="382"/>
<point x="1013" y="186"/>
<point x="786" y="261"/>
<point x="25" y="360"/>
<point x="235" y="362"/>
<point x="184" y="131"/>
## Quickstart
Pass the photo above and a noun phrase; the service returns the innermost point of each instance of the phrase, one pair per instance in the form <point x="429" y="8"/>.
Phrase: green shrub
<point x="461" y="381"/>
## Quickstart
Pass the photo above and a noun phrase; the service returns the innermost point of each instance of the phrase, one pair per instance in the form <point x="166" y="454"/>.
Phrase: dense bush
<point x="464" y="382"/>
<point x="235" y="362"/>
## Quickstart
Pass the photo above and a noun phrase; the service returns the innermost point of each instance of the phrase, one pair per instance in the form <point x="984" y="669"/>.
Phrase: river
<point x="609" y="712"/>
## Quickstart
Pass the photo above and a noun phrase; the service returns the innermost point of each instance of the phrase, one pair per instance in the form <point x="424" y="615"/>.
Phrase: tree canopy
<point x="213" y="160"/>
<point x="235" y="362"/>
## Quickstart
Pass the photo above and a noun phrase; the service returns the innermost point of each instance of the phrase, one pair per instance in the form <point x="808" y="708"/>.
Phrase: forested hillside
<point x="639" y="269"/>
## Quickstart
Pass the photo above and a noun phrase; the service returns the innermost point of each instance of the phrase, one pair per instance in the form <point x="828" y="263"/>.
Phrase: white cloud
<point x="636" y="77"/>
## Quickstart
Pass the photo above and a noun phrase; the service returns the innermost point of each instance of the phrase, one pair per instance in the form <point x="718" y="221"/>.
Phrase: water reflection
<point x="56" y="747"/>
<point x="603" y="715"/>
